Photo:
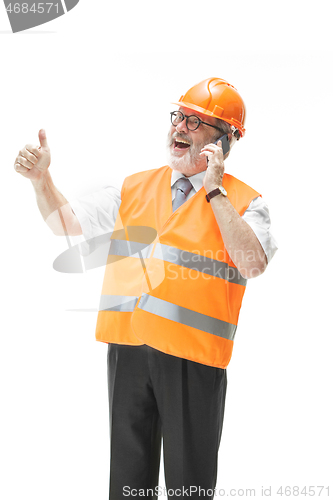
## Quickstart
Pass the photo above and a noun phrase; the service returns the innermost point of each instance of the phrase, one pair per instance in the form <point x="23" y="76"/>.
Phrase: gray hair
<point x="227" y="129"/>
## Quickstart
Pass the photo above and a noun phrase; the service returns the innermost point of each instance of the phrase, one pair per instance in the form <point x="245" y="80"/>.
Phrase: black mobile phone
<point x="225" y="144"/>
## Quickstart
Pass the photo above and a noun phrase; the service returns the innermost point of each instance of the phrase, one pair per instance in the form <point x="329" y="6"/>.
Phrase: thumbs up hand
<point x="33" y="161"/>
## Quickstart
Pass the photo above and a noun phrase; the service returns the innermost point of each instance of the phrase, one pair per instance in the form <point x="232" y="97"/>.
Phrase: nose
<point x="181" y="127"/>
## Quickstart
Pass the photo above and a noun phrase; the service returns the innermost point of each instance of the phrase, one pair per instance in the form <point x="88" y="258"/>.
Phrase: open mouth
<point x="180" y="144"/>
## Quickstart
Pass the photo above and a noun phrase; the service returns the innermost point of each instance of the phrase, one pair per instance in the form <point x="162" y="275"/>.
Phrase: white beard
<point x="189" y="163"/>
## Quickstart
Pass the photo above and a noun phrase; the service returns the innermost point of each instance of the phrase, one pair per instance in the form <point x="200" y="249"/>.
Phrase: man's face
<point x="184" y="146"/>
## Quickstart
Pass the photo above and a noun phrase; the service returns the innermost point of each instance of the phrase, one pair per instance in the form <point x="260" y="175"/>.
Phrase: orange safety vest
<point x="169" y="282"/>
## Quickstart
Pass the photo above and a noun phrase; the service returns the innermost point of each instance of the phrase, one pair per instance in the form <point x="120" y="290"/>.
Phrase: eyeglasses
<point x="192" y="122"/>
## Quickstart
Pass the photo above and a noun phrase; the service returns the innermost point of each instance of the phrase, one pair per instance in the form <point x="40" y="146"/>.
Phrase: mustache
<point x="177" y="135"/>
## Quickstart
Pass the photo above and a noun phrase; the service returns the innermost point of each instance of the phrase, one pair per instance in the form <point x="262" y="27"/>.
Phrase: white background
<point x="100" y="80"/>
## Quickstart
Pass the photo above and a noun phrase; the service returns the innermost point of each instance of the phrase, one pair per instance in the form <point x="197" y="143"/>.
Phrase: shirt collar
<point x="196" y="179"/>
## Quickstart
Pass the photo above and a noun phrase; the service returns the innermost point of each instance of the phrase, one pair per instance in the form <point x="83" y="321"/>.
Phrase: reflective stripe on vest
<point x="199" y="263"/>
<point x="183" y="258"/>
<point x="127" y="248"/>
<point x="187" y="317"/>
<point x="117" y="303"/>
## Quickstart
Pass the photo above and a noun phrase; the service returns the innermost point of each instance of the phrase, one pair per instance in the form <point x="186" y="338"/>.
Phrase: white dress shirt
<point x="97" y="212"/>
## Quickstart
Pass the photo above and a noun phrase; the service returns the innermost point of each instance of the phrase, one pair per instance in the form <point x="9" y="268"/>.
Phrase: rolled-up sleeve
<point x="258" y="218"/>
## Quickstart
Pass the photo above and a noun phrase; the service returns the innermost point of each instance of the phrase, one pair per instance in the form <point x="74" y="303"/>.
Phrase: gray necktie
<point x="183" y="186"/>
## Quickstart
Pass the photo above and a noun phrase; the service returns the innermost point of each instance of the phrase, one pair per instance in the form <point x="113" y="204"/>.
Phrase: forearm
<point x="54" y="207"/>
<point x="239" y="239"/>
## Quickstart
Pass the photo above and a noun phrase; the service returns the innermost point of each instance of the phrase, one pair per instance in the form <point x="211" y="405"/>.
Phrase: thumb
<point x="42" y="138"/>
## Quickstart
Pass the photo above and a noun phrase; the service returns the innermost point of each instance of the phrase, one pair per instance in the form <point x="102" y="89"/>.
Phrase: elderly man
<point x="169" y="307"/>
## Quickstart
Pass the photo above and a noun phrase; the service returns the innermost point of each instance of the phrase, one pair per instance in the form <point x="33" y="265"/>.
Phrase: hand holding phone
<point x="225" y="144"/>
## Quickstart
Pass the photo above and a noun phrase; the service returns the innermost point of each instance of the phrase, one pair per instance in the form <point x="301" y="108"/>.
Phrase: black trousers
<point x="152" y="394"/>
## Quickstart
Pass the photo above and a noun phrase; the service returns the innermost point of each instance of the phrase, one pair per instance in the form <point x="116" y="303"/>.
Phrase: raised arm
<point x="239" y="239"/>
<point x="33" y="163"/>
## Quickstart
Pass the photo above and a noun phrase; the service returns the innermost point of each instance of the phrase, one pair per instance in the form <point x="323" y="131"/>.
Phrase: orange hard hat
<point x="218" y="98"/>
